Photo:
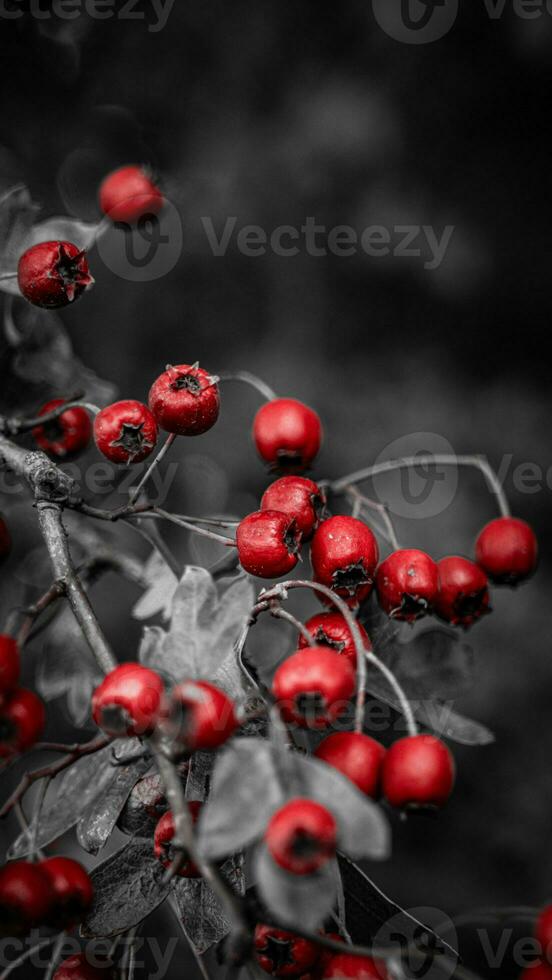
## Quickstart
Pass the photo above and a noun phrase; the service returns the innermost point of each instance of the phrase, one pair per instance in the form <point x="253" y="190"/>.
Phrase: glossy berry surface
<point x="53" y="274"/>
<point x="357" y="756"/>
<point x="407" y="584"/>
<point x="25" y="898"/>
<point x="201" y="716"/>
<point x="5" y="539"/>
<point x="185" y="400"/>
<point x="66" y="435"/>
<point x="418" y="771"/>
<point x="507" y="550"/>
<point x="299" y="498"/>
<point x="344" y="555"/>
<point x="72" y="888"/>
<point x="268" y="543"/>
<point x="129" y="194"/>
<point x="330" y="629"/>
<point x="129" y="701"/>
<point x="9" y="664"/>
<point x="162" y="842"/>
<point x="343" y="966"/>
<point x="313" y="687"/>
<point x="22" y="722"/>
<point x="463" y="595"/>
<point x="543" y="933"/>
<point x="78" y="968"/>
<point x="287" y="434"/>
<point x="125" y="432"/>
<point x="302" y="836"/>
<point x="282" y="953"/>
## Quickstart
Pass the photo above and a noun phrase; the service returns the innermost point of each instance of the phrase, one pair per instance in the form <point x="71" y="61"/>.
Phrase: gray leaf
<point x="202" y="918"/>
<point x="144" y="807"/>
<point x="307" y="899"/>
<point x="97" y="824"/>
<point x="127" y="887"/>
<point x="158" y="597"/>
<point x="434" y="664"/>
<point x="61" y="228"/>
<point x="17" y="213"/>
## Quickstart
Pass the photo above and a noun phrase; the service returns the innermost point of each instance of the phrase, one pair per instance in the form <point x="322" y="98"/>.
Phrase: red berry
<point x="418" y="771"/>
<point x="538" y="971"/>
<point x="125" y="432"/>
<point x="327" y="954"/>
<point x="313" y="687"/>
<point x="129" y="701"/>
<point x="201" y="716"/>
<point x="73" y="892"/>
<point x="25" y="898"/>
<point x="299" y="498"/>
<point x="185" y="400"/>
<point x="78" y="968"/>
<point x="268" y="543"/>
<point x="507" y="550"/>
<point x="357" y="756"/>
<point x="330" y="629"/>
<point x="128" y="194"/>
<point x="287" y="434"/>
<point x="9" y="664"/>
<point x="5" y="539"/>
<point x="53" y="274"/>
<point x="302" y="836"/>
<point x="164" y="833"/>
<point x="463" y="595"/>
<point x="407" y="583"/>
<point x="283" y="954"/>
<point x="68" y="434"/>
<point x="543" y="933"/>
<point x="343" y="966"/>
<point x="344" y="555"/>
<point x="22" y="721"/>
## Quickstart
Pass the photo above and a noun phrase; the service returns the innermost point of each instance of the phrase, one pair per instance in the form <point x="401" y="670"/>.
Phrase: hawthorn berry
<point x="22" y="721"/>
<point x="162" y="842"/>
<point x="53" y="274"/>
<point x="201" y="716"/>
<point x="330" y="629"/>
<point x="407" y="584"/>
<point x="344" y="555"/>
<point x="298" y="497"/>
<point x="78" y="968"/>
<point x="283" y="954"/>
<point x="463" y="595"/>
<point x="9" y="664"/>
<point x="301" y="836"/>
<point x="128" y="194"/>
<point x="65" y="436"/>
<point x="125" y="432"/>
<point x="72" y="888"/>
<point x="185" y="400"/>
<point x="507" y="550"/>
<point x="268" y="543"/>
<point x="26" y="898"/>
<point x="5" y="539"/>
<point x="543" y="933"/>
<point x="357" y="756"/>
<point x="343" y="966"/>
<point x="287" y="434"/>
<point x="313" y="687"/>
<point x="418" y="772"/>
<point x="129" y="701"/>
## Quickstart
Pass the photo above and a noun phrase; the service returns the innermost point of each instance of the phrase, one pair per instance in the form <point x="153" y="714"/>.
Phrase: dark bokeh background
<point x="272" y="112"/>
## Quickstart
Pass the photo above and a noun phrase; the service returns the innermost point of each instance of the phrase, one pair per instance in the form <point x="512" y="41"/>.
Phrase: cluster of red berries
<point x="22" y="713"/>
<point x="284" y="954"/>
<point x="542" y="970"/>
<point x="56" y="892"/>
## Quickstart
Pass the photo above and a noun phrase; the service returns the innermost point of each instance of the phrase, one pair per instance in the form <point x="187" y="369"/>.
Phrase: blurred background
<point x="272" y="113"/>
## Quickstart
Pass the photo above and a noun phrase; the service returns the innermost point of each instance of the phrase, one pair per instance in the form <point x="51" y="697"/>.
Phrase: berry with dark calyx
<point x="344" y="555"/>
<point x="313" y="687"/>
<point x="357" y="756"/>
<point x="9" y="664"/>
<point x="66" y="435"/>
<point x="5" y="539"/>
<point x="298" y="497"/>
<point x="125" y="432"/>
<point x="418" y="773"/>
<point x="407" y="584"/>
<point x="343" y="966"/>
<point x="129" y="701"/>
<point x="162" y="842"/>
<point x="201" y="716"/>
<point x="128" y="194"/>
<point x="53" y="274"/>
<point x="25" y="898"/>
<point x="268" y="543"/>
<point x="507" y="550"/>
<point x="22" y="721"/>
<point x="282" y="953"/>
<point x="543" y="933"/>
<point x="78" y="968"/>
<point x="463" y="595"/>
<point x="301" y="837"/>
<point x="73" y="891"/>
<point x="185" y="400"/>
<point x="287" y="434"/>
<point x="330" y="629"/>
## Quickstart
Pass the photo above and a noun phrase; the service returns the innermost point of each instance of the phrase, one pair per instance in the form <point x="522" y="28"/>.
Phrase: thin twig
<point x="382" y="509"/>
<point x="279" y="613"/>
<point x="156" y="513"/>
<point x="398" y="690"/>
<point x="152" y="466"/>
<point x="56" y="953"/>
<point x="27" y="955"/>
<point x="252" y="380"/>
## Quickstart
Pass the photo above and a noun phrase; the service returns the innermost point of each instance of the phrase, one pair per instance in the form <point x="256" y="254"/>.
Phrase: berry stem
<point x="17" y="425"/>
<point x="279" y="613"/>
<point x="360" y="501"/>
<point x="26" y="955"/>
<point x="152" y="466"/>
<point x="394" y="684"/>
<point x="159" y="514"/>
<point x="252" y="380"/>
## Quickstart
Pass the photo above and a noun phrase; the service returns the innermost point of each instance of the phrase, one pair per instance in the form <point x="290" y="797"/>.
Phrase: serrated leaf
<point x="307" y="899"/>
<point x="98" y="822"/>
<point x="62" y="228"/>
<point x="435" y="663"/>
<point x="17" y="213"/>
<point x="128" y="886"/>
<point x="158" y="597"/>
<point x="201" y="915"/>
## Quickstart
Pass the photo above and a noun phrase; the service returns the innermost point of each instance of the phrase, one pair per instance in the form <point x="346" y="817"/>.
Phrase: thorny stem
<point x="153" y="466"/>
<point x="396" y="687"/>
<point x="252" y="380"/>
